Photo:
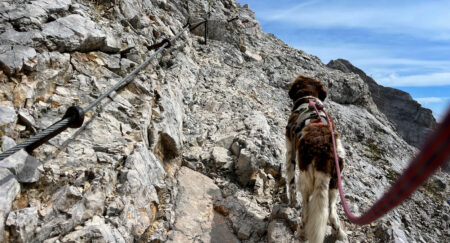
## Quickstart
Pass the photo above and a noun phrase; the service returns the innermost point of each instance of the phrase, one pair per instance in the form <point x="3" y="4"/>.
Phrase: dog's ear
<point x="322" y="92"/>
<point x="296" y="86"/>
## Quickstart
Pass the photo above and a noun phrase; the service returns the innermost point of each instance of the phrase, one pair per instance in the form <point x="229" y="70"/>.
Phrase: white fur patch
<point x="289" y="171"/>
<point x="334" y="218"/>
<point x="317" y="218"/>
<point x="340" y="149"/>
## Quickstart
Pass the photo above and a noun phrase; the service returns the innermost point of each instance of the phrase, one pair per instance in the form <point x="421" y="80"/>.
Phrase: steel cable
<point x="66" y="121"/>
<point x="58" y="125"/>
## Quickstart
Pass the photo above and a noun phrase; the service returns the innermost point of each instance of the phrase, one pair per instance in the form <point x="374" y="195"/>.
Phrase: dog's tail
<point x="316" y="146"/>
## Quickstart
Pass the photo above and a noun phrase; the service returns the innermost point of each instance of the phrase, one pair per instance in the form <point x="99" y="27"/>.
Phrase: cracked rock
<point x="13" y="57"/>
<point x="9" y="188"/>
<point x="22" y="224"/>
<point x="16" y="162"/>
<point x="195" y="214"/>
<point x="221" y="158"/>
<point x="73" y="33"/>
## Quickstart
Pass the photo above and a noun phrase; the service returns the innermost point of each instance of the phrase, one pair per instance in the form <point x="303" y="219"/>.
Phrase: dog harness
<point x="307" y="112"/>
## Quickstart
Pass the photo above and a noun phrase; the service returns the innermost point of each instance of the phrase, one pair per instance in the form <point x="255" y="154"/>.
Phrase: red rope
<point x="435" y="153"/>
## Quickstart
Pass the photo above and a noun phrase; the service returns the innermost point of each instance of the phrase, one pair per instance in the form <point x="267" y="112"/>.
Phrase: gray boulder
<point x="16" y="162"/>
<point x="73" y="33"/>
<point x="53" y="6"/>
<point x="31" y="171"/>
<point x="13" y="37"/>
<point x="13" y="57"/>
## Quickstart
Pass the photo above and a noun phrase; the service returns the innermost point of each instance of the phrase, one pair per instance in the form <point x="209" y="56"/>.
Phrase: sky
<point x="403" y="44"/>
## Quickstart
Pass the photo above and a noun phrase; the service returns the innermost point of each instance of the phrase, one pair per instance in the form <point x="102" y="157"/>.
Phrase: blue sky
<point x="400" y="43"/>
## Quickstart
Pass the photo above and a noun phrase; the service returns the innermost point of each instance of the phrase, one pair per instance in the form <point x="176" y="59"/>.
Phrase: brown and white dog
<point x="309" y="145"/>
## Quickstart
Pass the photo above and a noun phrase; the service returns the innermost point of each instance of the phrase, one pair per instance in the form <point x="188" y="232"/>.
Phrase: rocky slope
<point x="192" y="150"/>
<point x="412" y="121"/>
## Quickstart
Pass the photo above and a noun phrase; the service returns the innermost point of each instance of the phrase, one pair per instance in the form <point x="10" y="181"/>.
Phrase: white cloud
<point x="432" y="79"/>
<point x="428" y="100"/>
<point x="330" y="51"/>
<point x="386" y="63"/>
<point x="438" y="64"/>
<point x="386" y="70"/>
<point x="420" y="18"/>
<point x="365" y="55"/>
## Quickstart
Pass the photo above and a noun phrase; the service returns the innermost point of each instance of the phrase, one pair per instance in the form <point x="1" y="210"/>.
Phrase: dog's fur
<point x="310" y="147"/>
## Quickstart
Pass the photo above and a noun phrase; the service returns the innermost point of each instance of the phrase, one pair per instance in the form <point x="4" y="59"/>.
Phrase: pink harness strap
<point x="317" y="107"/>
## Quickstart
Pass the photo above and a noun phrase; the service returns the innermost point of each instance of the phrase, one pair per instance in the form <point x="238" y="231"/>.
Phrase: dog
<point x="309" y="146"/>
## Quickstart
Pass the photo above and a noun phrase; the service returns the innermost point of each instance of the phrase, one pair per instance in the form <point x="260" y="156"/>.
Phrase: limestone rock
<point x="95" y="229"/>
<point x="94" y="64"/>
<point x="289" y="215"/>
<point x="27" y="119"/>
<point x="248" y="218"/>
<point x="126" y="65"/>
<point x="148" y="168"/>
<point x="9" y="188"/>
<point x="279" y="232"/>
<point x="66" y="197"/>
<point x="221" y="158"/>
<point x="73" y="33"/>
<point x="195" y="215"/>
<point x="26" y="168"/>
<point x="264" y="187"/>
<point x="112" y="43"/>
<point x="392" y="234"/>
<point x="129" y="9"/>
<point x="144" y="172"/>
<point x="27" y="16"/>
<point x="246" y="167"/>
<point x="8" y="117"/>
<point x="16" y="162"/>
<point x="31" y="171"/>
<point x="52" y="7"/>
<point x="257" y="123"/>
<point x="22" y="224"/>
<point x="13" y="37"/>
<point x="166" y="134"/>
<point x="13" y="57"/>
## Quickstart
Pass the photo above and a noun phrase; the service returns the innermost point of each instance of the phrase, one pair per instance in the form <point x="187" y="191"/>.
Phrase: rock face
<point x="9" y="188"/>
<point x="192" y="149"/>
<point x="197" y="220"/>
<point x="412" y="121"/>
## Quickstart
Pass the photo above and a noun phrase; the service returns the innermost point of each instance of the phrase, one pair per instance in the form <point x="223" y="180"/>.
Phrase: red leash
<point x="435" y="153"/>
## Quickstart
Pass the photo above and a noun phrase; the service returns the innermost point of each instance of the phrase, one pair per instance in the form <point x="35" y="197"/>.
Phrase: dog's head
<point x="304" y="86"/>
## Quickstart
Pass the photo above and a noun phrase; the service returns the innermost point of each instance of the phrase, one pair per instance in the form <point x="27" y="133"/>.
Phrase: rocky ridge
<point x="190" y="151"/>
<point x="412" y="121"/>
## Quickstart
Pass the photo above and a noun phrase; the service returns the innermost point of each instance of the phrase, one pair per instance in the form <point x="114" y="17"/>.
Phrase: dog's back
<point x="316" y="145"/>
